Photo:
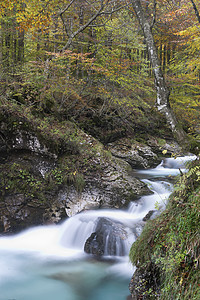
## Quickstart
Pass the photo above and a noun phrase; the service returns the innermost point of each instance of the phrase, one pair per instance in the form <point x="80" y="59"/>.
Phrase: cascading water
<point x="49" y="262"/>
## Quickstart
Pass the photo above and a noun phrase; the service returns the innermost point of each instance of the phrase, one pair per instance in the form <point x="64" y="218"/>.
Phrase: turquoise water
<point x="32" y="277"/>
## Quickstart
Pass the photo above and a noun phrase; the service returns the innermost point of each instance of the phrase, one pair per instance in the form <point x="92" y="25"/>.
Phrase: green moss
<point x="18" y="178"/>
<point x="172" y="241"/>
<point x="140" y="252"/>
<point x="161" y="142"/>
<point x="194" y="145"/>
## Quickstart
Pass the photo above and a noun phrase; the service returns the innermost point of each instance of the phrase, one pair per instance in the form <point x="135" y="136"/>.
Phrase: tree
<point x="162" y="90"/>
<point x="183" y="70"/>
<point x="90" y="49"/>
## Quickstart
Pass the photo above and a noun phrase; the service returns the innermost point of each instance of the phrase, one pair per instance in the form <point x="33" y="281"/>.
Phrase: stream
<point x="49" y="262"/>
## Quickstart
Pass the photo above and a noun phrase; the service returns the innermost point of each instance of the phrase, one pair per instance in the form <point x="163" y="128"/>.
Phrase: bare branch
<point x="67" y="7"/>
<point x="82" y="28"/>
<point x="154" y="13"/>
<point x="62" y="17"/>
<point x="108" y="4"/>
<point x="113" y="10"/>
<point x="196" y="10"/>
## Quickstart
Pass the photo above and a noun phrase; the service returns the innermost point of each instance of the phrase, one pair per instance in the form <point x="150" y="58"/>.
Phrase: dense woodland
<point x="90" y="64"/>
<point x="73" y="58"/>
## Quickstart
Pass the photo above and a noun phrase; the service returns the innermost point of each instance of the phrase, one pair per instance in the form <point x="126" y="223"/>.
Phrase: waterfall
<point x="48" y="262"/>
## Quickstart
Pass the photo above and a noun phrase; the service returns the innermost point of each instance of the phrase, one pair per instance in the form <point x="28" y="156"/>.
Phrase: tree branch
<point x="113" y="10"/>
<point x="82" y="28"/>
<point x="62" y="18"/>
<point x="196" y="10"/>
<point x="67" y="7"/>
<point x="154" y="14"/>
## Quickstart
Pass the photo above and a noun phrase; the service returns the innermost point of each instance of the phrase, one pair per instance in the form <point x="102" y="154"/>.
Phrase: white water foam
<point x="48" y="262"/>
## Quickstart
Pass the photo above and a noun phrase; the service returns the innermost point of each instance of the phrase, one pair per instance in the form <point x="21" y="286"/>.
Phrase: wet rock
<point x="16" y="138"/>
<point x="24" y="140"/>
<point x="19" y="207"/>
<point x="137" y="230"/>
<point x="159" y="145"/>
<point x="137" y="155"/>
<point x="149" y="215"/>
<point x="37" y="200"/>
<point x="145" y="283"/>
<point x="115" y="189"/>
<point x="108" y="239"/>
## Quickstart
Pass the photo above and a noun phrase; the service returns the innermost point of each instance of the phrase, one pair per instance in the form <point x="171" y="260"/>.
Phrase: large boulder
<point x="136" y="154"/>
<point x="30" y="196"/>
<point x="160" y="145"/>
<point x="43" y="179"/>
<point x="115" y="188"/>
<point x="108" y="239"/>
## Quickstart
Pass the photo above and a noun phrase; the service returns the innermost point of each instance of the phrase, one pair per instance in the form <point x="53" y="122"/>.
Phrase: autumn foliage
<point x="75" y="51"/>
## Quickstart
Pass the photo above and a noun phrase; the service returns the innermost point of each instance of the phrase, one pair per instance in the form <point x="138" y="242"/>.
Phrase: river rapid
<point x="49" y="262"/>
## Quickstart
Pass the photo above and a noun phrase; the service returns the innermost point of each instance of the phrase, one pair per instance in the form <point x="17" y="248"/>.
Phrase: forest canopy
<point x="68" y="57"/>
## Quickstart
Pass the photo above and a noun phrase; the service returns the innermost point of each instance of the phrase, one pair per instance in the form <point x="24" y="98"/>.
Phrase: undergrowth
<point x="172" y="241"/>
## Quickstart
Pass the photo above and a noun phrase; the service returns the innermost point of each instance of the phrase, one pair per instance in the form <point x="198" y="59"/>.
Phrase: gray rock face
<point x="19" y="209"/>
<point x="108" y="239"/>
<point x="21" y="139"/>
<point x="109" y="185"/>
<point x="138" y="156"/>
<point x="172" y="147"/>
<point x="24" y="140"/>
<point x="115" y="189"/>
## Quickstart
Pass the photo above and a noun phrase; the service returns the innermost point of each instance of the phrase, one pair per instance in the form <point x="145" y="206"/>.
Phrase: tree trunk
<point x="162" y="101"/>
<point x="196" y="10"/>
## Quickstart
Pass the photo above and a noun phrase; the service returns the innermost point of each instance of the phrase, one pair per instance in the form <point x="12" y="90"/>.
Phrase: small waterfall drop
<point x="48" y="262"/>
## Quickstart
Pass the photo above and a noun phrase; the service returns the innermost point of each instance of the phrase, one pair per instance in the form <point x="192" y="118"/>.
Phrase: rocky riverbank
<point x="51" y="171"/>
<point x="167" y="254"/>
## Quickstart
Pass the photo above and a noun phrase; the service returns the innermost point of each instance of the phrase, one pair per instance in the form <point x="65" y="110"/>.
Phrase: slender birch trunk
<point x="162" y="101"/>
